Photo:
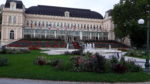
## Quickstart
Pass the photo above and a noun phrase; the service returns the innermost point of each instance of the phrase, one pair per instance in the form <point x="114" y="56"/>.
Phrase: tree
<point x="0" y="16"/>
<point x="125" y="16"/>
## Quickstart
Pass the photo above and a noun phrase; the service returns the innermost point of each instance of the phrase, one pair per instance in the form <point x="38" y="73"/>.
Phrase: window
<point x="14" y="20"/>
<point x="10" y="19"/>
<point x="35" y="24"/>
<point x="43" y="24"/>
<point x="46" y="24"/>
<point x="11" y="34"/>
<point x="39" y="24"/>
<point x="27" y="23"/>
<point x="31" y="24"/>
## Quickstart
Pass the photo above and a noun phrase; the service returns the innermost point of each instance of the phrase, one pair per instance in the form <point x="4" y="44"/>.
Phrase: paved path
<point x="27" y="81"/>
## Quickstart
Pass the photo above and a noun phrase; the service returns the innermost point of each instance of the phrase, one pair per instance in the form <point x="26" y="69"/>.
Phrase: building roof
<point x="109" y="12"/>
<point x="59" y="11"/>
<point x="18" y="3"/>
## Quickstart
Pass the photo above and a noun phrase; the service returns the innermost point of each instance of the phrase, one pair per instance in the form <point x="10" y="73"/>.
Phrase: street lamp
<point x="141" y="21"/>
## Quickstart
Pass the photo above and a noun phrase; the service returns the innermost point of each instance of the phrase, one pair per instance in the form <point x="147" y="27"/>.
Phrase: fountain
<point x="88" y="47"/>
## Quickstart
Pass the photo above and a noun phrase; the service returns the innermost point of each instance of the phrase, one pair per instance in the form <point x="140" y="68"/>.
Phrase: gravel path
<point x="28" y="81"/>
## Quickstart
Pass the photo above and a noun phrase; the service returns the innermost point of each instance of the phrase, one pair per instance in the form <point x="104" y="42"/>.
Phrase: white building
<point x="49" y="22"/>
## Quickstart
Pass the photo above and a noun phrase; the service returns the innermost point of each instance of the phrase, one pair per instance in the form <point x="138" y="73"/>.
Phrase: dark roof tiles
<point x="59" y="11"/>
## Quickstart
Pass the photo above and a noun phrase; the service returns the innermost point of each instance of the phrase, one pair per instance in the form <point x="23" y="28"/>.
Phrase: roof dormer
<point x="12" y="5"/>
<point x="67" y="14"/>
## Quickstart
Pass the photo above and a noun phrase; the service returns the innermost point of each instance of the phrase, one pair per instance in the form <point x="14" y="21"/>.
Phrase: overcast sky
<point x="100" y="6"/>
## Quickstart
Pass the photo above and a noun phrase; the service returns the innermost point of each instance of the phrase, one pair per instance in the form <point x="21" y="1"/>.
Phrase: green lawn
<point x="22" y="66"/>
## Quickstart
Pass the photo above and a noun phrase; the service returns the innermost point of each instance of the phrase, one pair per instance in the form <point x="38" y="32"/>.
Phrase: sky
<point x="100" y="6"/>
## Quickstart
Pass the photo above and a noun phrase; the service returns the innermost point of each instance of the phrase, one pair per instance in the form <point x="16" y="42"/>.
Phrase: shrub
<point x="75" y="52"/>
<point x="3" y="61"/>
<point x="54" y="62"/>
<point x="135" y="53"/>
<point x="15" y="51"/>
<point x="57" y="64"/>
<point x="123" y="49"/>
<point x="100" y="65"/>
<point x="75" y="64"/>
<point x="120" y="68"/>
<point x="94" y="63"/>
<point x="87" y="54"/>
<point x="67" y="53"/>
<point x="34" y="48"/>
<point x="24" y="50"/>
<point x="114" y="61"/>
<point x="123" y="66"/>
<point x="3" y="51"/>
<point x="132" y="67"/>
<point x="41" y="60"/>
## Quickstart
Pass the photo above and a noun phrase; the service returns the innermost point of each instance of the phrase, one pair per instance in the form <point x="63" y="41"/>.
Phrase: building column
<point x="45" y="34"/>
<point x="109" y="36"/>
<point x="98" y="36"/>
<point x="7" y="34"/>
<point x="90" y="36"/>
<point x="34" y="33"/>
<point x="55" y="34"/>
<point x="81" y="36"/>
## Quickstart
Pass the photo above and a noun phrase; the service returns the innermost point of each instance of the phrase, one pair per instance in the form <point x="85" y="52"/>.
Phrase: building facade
<point x="50" y="22"/>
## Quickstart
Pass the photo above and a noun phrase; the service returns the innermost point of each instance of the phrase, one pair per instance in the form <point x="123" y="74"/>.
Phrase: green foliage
<point x="98" y="63"/>
<point x="21" y="66"/>
<point x="0" y="16"/>
<point x="122" y="66"/>
<point x="125" y="16"/>
<point x="136" y="53"/>
<point x="14" y="51"/>
<point x="41" y="60"/>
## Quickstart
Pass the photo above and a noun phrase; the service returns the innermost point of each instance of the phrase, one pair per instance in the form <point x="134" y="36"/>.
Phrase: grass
<point x="22" y="66"/>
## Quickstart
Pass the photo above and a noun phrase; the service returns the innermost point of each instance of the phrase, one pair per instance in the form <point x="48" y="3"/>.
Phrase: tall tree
<point x="0" y="16"/>
<point x="125" y="16"/>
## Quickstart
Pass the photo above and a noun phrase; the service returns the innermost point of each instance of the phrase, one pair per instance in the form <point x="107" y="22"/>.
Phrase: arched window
<point x="11" y="34"/>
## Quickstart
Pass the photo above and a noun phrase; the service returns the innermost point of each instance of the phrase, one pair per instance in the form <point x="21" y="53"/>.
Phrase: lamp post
<point x="141" y="21"/>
